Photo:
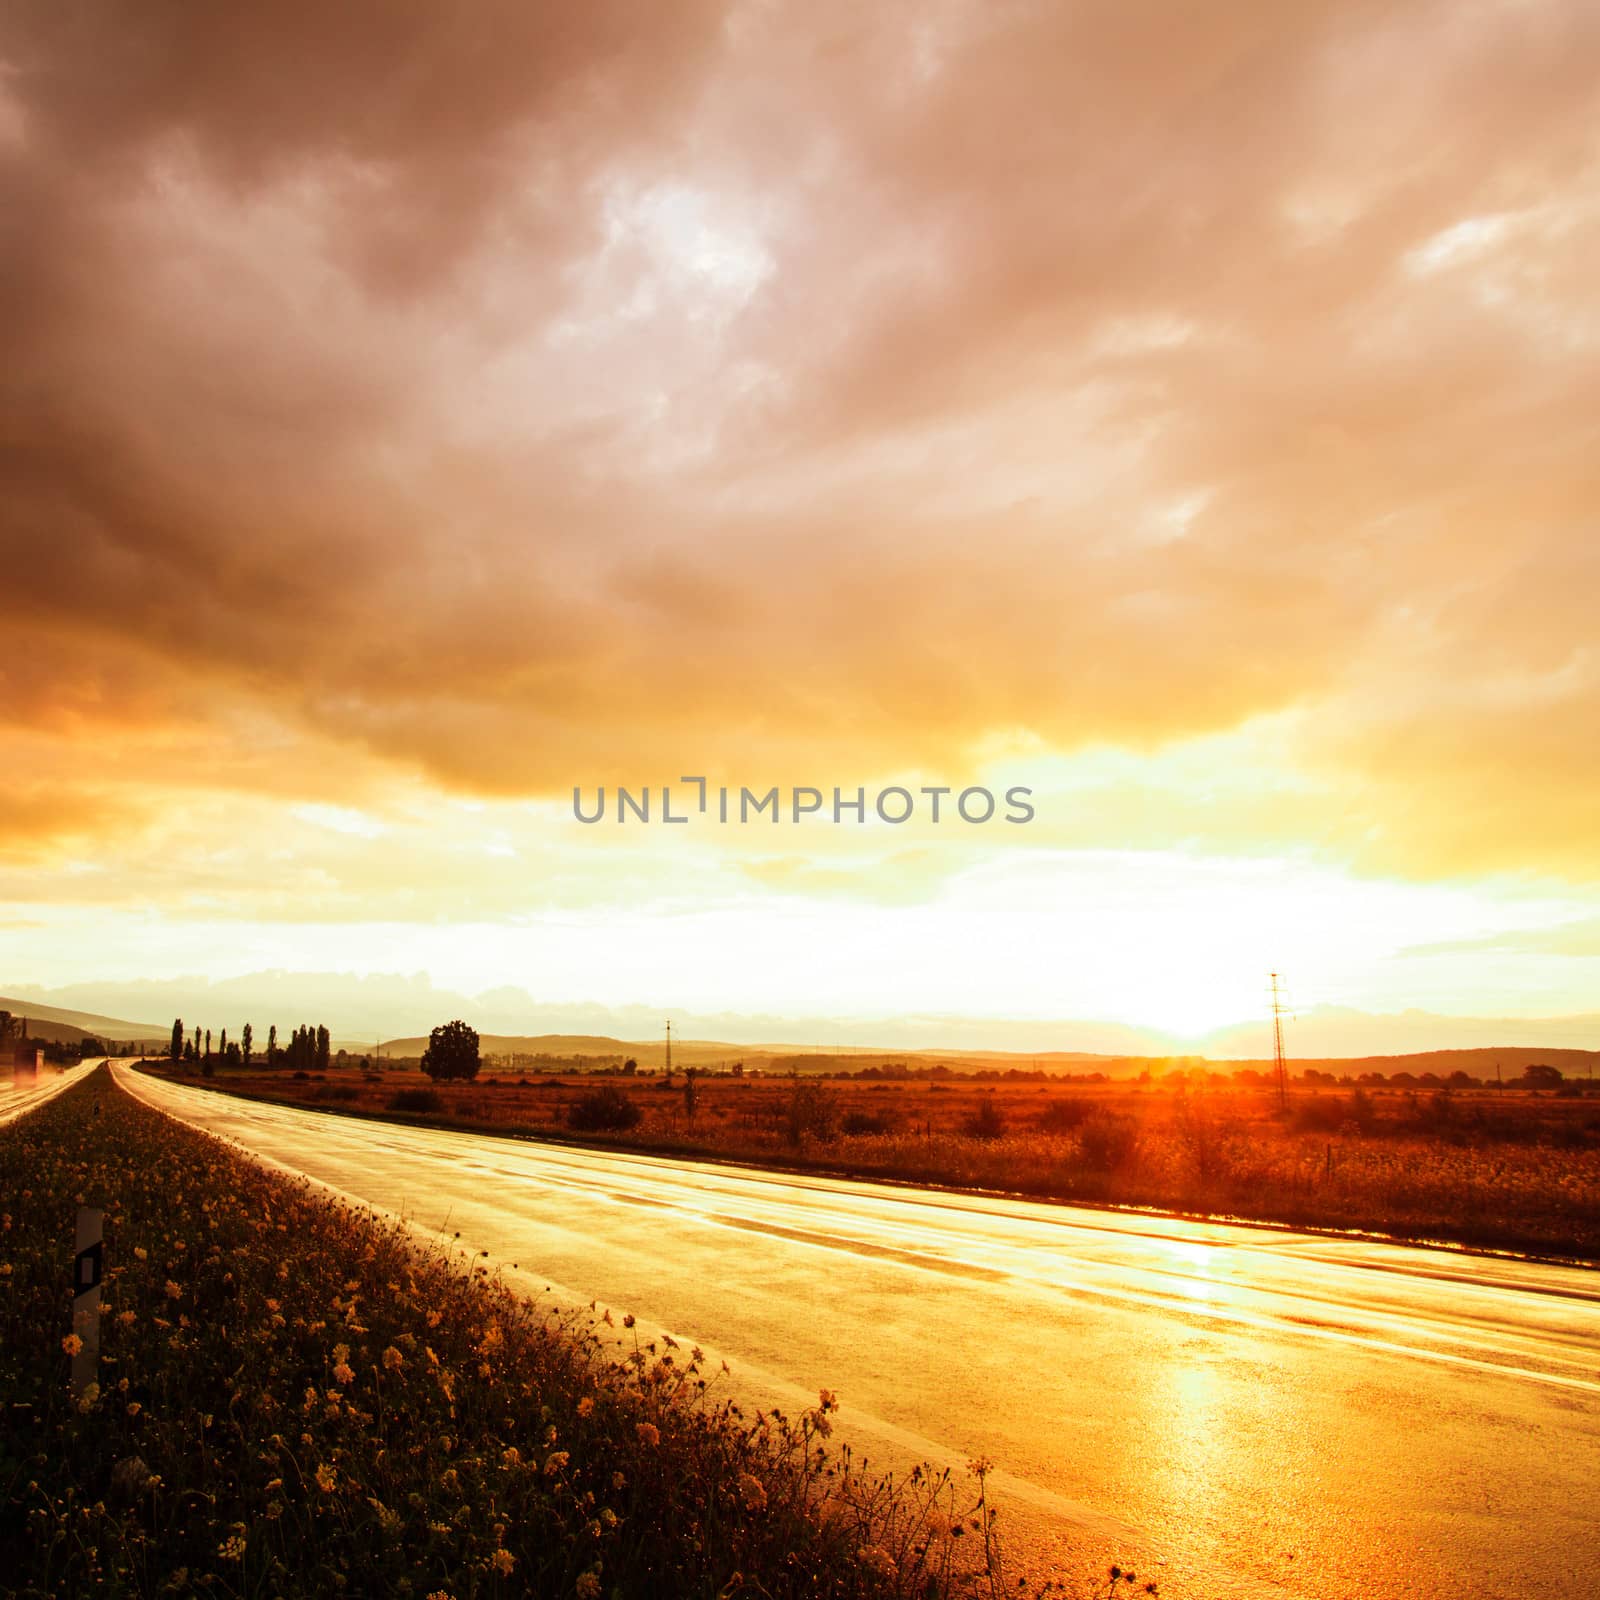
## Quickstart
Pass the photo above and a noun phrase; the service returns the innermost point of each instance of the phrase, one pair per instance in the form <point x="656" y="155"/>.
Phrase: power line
<point x="1279" y="1064"/>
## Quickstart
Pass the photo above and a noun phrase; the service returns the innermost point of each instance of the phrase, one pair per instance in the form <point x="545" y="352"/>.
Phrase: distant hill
<point x="67" y="1027"/>
<point x="649" y="1053"/>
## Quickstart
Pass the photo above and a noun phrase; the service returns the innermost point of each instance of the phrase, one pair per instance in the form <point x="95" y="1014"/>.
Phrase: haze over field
<point x="1190" y="416"/>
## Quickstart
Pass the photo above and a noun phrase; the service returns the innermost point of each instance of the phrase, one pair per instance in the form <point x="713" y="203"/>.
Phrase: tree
<point x="452" y="1051"/>
<point x="691" y="1095"/>
<point x="176" y="1050"/>
<point x="248" y="1042"/>
<point x="272" y="1045"/>
<point x="1537" y="1075"/>
<point x="323" y="1043"/>
<point x="208" y="1044"/>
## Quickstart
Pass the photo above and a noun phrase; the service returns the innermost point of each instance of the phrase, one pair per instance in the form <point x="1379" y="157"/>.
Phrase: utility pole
<point x="669" y="1050"/>
<point x="1277" y="1044"/>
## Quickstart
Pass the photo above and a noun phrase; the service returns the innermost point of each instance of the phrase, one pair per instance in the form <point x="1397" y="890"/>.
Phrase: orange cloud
<point x="765" y="392"/>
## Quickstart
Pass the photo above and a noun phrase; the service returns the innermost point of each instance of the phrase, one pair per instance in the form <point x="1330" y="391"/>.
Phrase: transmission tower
<point x="1279" y="1065"/>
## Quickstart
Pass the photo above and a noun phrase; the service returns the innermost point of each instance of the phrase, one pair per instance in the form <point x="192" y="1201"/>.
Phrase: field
<point x="1512" y="1169"/>
<point x="294" y="1399"/>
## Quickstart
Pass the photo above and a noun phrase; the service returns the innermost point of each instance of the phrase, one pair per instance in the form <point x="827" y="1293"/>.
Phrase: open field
<point x="294" y="1399"/>
<point x="1512" y="1170"/>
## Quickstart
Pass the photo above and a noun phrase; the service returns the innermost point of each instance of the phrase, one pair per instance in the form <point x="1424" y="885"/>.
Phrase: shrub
<point x="859" y="1123"/>
<point x="607" y="1109"/>
<point x="1106" y="1141"/>
<point x="1062" y="1116"/>
<point x="416" y="1100"/>
<point x="987" y="1122"/>
<point x="813" y="1111"/>
<point x="337" y="1091"/>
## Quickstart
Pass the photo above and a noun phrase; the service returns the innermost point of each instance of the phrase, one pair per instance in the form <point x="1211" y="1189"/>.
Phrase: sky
<point x="410" y="414"/>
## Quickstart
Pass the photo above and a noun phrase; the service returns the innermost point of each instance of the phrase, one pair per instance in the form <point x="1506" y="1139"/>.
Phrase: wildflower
<point x="752" y="1491"/>
<point x="586" y="1405"/>
<point x="127" y="1318"/>
<point x="173" y="1291"/>
<point x="343" y="1373"/>
<point x="232" y="1548"/>
<point x="327" y="1478"/>
<point x="556" y="1462"/>
<point x="90" y="1399"/>
<point x="511" y="1457"/>
<point x="134" y="1408"/>
<point x="649" y="1434"/>
<point x="618" y="1481"/>
<point x="341" y="1352"/>
<point x="980" y="1467"/>
<point x="72" y="1344"/>
<point x="587" y="1586"/>
<point x="503" y="1561"/>
<point x="392" y="1359"/>
<point x="627" y="1321"/>
<point x="433" y="1319"/>
<point x="876" y="1559"/>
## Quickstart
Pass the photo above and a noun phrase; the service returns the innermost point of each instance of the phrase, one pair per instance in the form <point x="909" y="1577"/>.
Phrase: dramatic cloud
<point x="523" y="396"/>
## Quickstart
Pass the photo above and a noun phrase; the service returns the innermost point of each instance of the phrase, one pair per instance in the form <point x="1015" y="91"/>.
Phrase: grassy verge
<point x="294" y="1401"/>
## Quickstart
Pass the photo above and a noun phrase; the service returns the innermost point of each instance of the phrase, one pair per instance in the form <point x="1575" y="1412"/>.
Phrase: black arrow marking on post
<point x="87" y="1267"/>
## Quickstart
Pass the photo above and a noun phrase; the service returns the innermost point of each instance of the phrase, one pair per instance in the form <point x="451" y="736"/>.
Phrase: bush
<point x="1062" y="1116"/>
<point x="987" y="1122"/>
<point x="859" y="1123"/>
<point x="337" y="1091"/>
<point x="813" y="1112"/>
<point x="1106" y="1141"/>
<point x="607" y="1109"/>
<point x="416" y="1100"/>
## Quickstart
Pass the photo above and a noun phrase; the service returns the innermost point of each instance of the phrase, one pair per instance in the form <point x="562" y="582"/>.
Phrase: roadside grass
<point x="295" y="1400"/>
<point x="1516" y="1172"/>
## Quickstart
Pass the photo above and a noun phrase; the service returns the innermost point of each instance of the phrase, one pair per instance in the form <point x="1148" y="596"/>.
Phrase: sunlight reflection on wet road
<point x="1239" y="1411"/>
<point x="19" y="1095"/>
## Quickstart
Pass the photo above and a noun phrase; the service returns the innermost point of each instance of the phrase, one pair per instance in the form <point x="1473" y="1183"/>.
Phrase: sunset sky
<point x="409" y="412"/>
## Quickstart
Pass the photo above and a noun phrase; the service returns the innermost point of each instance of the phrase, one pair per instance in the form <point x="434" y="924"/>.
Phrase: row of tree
<point x="308" y="1048"/>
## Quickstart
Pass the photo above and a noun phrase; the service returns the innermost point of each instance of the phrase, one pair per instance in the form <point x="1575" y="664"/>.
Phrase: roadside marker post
<point x="88" y="1266"/>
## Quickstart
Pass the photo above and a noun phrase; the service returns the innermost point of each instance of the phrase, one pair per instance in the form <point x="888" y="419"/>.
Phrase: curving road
<point x="1237" y="1411"/>
<point x="33" y="1090"/>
